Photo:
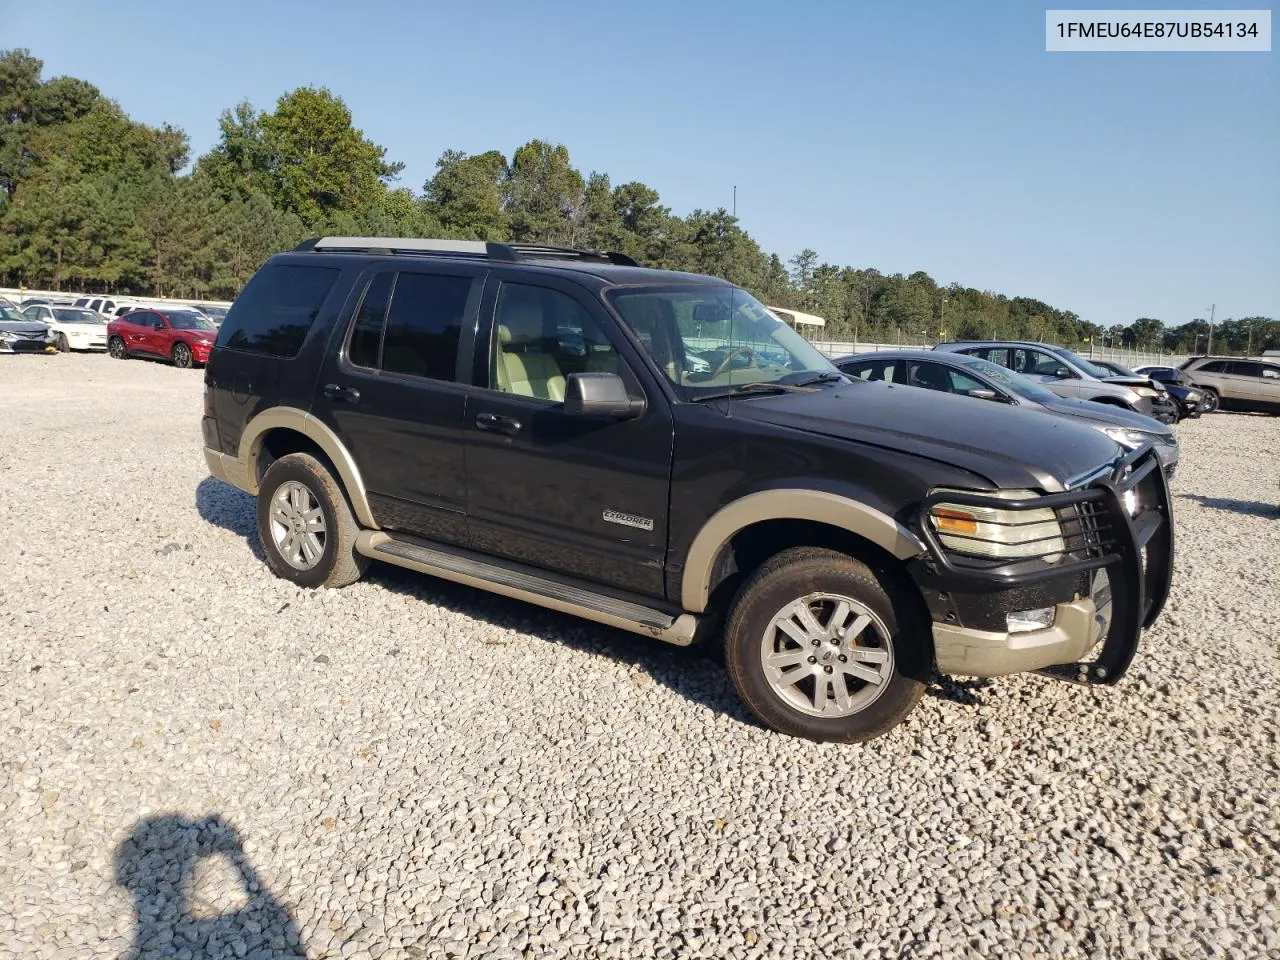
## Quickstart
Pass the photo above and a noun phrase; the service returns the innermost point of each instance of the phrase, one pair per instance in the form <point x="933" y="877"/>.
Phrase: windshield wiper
<point x="827" y="377"/>
<point x="759" y="388"/>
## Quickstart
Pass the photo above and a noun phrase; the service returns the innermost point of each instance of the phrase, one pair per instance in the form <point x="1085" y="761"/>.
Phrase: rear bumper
<point x="228" y="469"/>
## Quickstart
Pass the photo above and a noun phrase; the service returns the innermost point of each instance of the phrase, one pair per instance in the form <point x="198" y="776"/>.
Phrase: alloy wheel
<point x="827" y="655"/>
<point x="297" y="525"/>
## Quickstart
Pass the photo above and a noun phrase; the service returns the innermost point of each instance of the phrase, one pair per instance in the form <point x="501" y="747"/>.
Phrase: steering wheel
<point x="732" y="353"/>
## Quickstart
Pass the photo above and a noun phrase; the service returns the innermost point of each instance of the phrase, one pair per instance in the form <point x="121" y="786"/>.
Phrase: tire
<point x="894" y="642"/>
<point x="181" y="355"/>
<point x="63" y="346"/>
<point x="116" y="347"/>
<point x="335" y="563"/>
<point x="1212" y="400"/>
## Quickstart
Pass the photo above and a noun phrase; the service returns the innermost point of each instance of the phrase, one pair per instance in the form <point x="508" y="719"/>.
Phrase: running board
<point x="525" y="583"/>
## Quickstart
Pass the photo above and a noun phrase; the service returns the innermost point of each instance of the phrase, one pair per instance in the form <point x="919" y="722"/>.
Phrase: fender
<point x="786" y="504"/>
<point x="291" y="418"/>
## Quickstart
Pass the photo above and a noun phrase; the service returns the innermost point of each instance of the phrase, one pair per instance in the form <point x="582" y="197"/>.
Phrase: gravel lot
<point x="201" y="760"/>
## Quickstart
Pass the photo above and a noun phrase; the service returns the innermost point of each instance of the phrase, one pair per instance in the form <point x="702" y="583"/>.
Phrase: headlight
<point x="1146" y="391"/>
<point x="1194" y="396"/>
<point x="999" y="534"/>
<point x="1130" y="439"/>
<point x="5" y="335"/>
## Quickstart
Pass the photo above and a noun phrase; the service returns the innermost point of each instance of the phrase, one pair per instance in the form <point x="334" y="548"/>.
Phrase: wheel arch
<point x="281" y="430"/>
<point x="761" y="524"/>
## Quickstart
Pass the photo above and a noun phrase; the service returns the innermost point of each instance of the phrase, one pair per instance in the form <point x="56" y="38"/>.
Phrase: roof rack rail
<point x="482" y="249"/>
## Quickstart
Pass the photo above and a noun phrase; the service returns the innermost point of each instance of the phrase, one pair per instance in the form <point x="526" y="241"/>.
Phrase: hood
<point x="1130" y="381"/>
<point x="1010" y="446"/>
<point x="1104" y="414"/>
<point x="27" y="327"/>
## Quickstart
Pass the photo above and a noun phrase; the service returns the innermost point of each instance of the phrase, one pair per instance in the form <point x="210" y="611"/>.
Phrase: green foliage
<point x="92" y="199"/>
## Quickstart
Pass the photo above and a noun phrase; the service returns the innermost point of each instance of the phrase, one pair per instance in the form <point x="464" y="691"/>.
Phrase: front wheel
<point x="1212" y="401"/>
<point x="115" y="347"/>
<point x="63" y="346"/>
<point x="181" y="355"/>
<point x="305" y="524"/>
<point x="819" y="646"/>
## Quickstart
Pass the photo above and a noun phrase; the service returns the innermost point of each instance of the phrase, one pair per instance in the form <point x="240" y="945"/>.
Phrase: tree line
<point x="95" y="201"/>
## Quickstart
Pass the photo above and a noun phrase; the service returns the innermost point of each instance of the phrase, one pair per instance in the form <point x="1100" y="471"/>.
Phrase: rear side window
<point x="276" y="309"/>
<point x="424" y="325"/>
<point x="366" y="332"/>
<point x="876" y="370"/>
<point x="1243" y="368"/>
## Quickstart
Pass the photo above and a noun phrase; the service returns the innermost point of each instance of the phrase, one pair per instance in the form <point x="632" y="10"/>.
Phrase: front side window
<point x="706" y="338"/>
<point x="541" y="336"/>
<point x="1213" y="366"/>
<point x="1038" y="363"/>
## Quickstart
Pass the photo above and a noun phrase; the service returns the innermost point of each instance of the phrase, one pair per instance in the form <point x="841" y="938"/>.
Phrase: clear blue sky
<point x="905" y="136"/>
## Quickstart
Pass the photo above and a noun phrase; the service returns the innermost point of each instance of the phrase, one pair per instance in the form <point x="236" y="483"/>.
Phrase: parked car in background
<point x="1187" y="398"/>
<point x="1236" y="383"/>
<point x="215" y="312"/>
<point x="76" y="328"/>
<point x="20" y="335"/>
<point x="181" y="336"/>
<point x="1069" y="375"/>
<point x="969" y="376"/>
<point x="105" y="306"/>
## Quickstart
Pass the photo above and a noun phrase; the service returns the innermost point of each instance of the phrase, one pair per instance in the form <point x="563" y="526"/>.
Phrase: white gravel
<point x="198" y="759"/>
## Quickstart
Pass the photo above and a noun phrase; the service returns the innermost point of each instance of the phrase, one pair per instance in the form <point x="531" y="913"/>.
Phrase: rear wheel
<point x="115" y="347"/>
<point x="306" y="527"/>
<point x="181" y="355"/>
<point x="1212" y="401"/>
<point x="819" y="646"/>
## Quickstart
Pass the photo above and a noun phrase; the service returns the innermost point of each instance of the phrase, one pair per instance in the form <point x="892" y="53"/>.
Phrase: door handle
<point x="493" y="423"/>
<point x="335" y="391"/>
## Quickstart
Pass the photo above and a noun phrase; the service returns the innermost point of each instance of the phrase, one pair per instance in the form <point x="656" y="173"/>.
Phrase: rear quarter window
<point x="277" y="308"/>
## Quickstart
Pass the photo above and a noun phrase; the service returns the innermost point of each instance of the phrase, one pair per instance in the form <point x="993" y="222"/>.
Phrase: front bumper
<point x="1136" y="553"/>
<point x="1077" y="628"/>
<point x="24" y="345"/>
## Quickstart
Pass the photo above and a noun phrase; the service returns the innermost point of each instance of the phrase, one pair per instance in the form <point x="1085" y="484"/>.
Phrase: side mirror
<point x="600" y="395"/>
<point x="983" y="393"/>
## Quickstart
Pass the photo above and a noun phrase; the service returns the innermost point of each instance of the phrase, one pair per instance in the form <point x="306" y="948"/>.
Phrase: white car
<point x="76" y="328"/>
<point x="101" y="304"/>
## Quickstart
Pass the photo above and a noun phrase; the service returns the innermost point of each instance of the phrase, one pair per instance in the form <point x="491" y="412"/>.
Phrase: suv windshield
<point x="190" y="321"/>
<point x="1013" y="382"/>
<point x="75" y="315"/>
<point x="707" y="338"/>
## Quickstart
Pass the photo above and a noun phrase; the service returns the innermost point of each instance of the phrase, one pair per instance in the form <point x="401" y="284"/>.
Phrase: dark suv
<point x="657" y="452"/>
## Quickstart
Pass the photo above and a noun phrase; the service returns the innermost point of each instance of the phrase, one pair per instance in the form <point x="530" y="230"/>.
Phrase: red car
<point x="182" y="336"/>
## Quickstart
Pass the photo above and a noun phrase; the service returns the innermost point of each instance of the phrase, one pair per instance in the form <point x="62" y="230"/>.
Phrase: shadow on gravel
<point x="183" y="908"/>
<point x="967" y="693"/>
<point x="225" y="506"/>
<point x="696" y="673"/>
<point x="1252" y="508"/>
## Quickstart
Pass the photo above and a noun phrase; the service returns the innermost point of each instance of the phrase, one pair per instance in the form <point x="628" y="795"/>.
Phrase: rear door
<point x="1269" y="386"/>
<point x="581" y="495"/>
<point x="396" y="390"/>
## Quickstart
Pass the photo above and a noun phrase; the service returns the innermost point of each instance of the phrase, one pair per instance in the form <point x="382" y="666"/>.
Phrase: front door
<point x="581" y="495"/>
<point x="395" y="393"/>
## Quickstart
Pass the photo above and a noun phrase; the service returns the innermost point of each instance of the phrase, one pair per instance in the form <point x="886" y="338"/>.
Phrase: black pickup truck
<point x="656" y="451"/>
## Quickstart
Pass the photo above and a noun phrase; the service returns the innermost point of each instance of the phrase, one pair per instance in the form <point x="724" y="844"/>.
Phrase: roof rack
<point x="480" y="249"/>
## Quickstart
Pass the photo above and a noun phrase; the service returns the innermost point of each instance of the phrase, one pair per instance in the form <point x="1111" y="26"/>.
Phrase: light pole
<point x="1208" y="347"/>
<point x="942" y="319"/>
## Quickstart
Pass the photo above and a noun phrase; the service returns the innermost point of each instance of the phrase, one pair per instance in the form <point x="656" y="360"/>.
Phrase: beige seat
<point x="519" y="366"/>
